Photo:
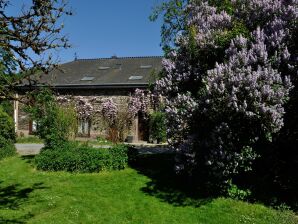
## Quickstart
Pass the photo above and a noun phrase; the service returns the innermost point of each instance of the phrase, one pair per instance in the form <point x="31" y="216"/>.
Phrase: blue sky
<point x="102" y="28"/>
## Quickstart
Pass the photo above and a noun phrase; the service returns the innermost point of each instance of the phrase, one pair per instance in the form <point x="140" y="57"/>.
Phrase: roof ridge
<point x="131" y="57"/>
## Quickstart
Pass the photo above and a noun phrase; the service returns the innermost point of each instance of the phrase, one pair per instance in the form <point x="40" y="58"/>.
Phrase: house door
<point x="143" y="130"/>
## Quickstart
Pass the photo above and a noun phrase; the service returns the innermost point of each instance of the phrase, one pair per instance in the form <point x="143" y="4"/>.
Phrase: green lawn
<point x="30" y="196"/>
<point x="29" y="139"/>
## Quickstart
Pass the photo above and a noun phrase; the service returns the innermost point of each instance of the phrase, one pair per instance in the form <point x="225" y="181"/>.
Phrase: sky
<point x="103" y="28"/>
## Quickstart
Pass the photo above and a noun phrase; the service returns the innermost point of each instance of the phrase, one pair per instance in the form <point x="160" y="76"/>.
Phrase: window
<point x="87" y="78"/>
<point x="145" y="66"/>
<point x="135" y="77"/>
<point x="103" y="67"/>
<point x="32" y="127"/>
<point x="117" y="66"/>
<point x="84" y="127"/>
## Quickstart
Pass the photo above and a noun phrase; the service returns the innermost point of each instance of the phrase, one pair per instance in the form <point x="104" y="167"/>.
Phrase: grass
<point x="29" y="139"/>
<point x="35" y="139"/>
<point x="31" y="196"/>
<point x="99" y="143"/>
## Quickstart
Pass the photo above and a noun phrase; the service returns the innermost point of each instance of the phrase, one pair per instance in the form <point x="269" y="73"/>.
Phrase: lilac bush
<point x="109" y="111"/>
<point x="119" y="117"/>
<point x="226" y="82"/>
<point x="84" y="107"/>
<point x="139" y="101"/>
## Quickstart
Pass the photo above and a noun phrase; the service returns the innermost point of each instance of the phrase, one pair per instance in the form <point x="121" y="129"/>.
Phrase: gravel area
<point x="28" y="149"/>
<point x="25" y="149"/>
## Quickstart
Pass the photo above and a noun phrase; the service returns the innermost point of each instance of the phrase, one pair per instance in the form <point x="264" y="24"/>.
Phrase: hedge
<point x="73" y="157"/>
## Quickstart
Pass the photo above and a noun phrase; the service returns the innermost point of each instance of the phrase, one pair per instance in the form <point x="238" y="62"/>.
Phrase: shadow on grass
<point x="13" y="196"/>
<point x="272" y="184"/>
<point x="29" y="159"/>
<point x="20" y="220"/>
<point x="165" y="184"/>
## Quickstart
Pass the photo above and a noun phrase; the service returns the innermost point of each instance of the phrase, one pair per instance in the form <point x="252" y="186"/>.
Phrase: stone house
<point x="115" y="77"/>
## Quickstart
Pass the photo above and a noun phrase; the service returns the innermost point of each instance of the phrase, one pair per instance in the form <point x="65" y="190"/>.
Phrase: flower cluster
<point x="276" y="18"/>
<point x="247" y="84"/>
<point x="139" y="102"/>
<point x="214" y="21"/>
<point x="179" y="112"/>
<point x="109" y="111"/>
<point x="84" y="108"/>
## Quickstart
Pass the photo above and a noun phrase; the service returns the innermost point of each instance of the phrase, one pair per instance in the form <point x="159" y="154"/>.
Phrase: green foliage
<point x="157" y="126"/>
<point x="173" y="15"/>
<point x="8" y="77"/>
<point x="6" y="126"/>
<point x="100" y="141"/>
<point x="225" y="5"/>
<point x="223" y="39"/>
<point x="73" y="157"/>
<point x="235" y="193"/>
<point x="7" y="135"/>
<point x="29" y="139"/>
<point x="7" y="148"/>
<point x="118" y="157"/>
<point x="7" y="106"/>
<point x="55" y="124"/>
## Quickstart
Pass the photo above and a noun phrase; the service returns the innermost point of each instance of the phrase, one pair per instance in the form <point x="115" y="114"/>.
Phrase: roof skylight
<point x="103" y="67"/>
<point x="135" y="77"/>
<point x="145" y="66"/>
<point x="117" y="66"/>
<point x="87" y="78"/>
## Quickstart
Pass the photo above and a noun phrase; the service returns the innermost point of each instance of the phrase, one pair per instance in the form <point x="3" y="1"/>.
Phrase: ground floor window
<point x="84" y="127"/>
<point x="32" y="127"/>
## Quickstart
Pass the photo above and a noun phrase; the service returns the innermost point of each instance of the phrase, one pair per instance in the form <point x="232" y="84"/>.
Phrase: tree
<point x="56" y="124"/>
<point x="174" y="18"/>
<point x="27" y="41"/>
<point x="226" y="83"/>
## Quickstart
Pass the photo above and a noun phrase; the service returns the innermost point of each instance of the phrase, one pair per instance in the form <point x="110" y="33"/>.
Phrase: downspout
<point x="16" y="112"/>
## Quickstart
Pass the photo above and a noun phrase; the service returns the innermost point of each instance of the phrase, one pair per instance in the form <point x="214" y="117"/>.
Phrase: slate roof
<point x="104" y="72"/>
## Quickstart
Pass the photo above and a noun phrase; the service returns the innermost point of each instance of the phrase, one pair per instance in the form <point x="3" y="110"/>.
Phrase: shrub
<point x="118" y="157"/>
<point x="102" y="140"/>
<point x="157" y="126"/>
<point x="235" y="193"/>
<point x="61" y="126"/>
<point x="6" y="126"/>
<point x="7" y="106"/>
<point x="226" y="82"/>
<point x="73" y="157"/>
<point x="7" y="135"/>
<point x="7" y="148"/>
<point x="55" y="123"/>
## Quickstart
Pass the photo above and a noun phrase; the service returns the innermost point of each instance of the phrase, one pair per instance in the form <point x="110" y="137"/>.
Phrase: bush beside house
<point x="7" y="135"/>
<point x="157" y="127"/>
<point x="55" y="124"/>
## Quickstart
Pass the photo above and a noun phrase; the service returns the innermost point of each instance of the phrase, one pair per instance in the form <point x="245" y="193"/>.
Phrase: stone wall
<point x="96" y="97"/>
<point x="23" y="120"/>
